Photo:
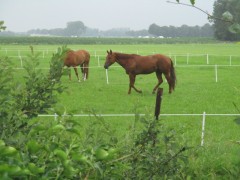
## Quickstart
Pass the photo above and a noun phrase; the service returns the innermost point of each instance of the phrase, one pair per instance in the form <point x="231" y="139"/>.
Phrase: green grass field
<point x="196" y="92"/>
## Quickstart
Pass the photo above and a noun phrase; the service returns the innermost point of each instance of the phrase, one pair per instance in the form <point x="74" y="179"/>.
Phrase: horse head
<point x="110" y="59"/>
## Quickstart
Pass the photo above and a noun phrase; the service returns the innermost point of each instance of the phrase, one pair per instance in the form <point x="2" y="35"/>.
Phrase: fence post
<point x="207" y="59"/>
<point x="107" y="76"/>
<point x="187" y="57"/>
<point x="216" y="73"/>
<point x="203" y="128"/>
<point x="158" y="102"/>
<point x="19" y="55"/>
<point x="55" y="116"/>
<point x="230" y="59"/>
<point x="98" y="61"/>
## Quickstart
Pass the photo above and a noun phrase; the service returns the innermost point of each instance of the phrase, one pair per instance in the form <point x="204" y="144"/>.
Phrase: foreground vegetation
<point x="119" y="147"/>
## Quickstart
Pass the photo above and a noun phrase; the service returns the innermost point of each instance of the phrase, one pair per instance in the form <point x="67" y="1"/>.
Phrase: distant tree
<point x="91" y="32"/>
<point x="207" y="30"/>
<point x="56" y="31"/>
<point x="183" y="31"/>
<point x="154" y="29"/>
<point x="115" y="32"/>
<point x="75" y="28"/>
<point x="137" y="33"/>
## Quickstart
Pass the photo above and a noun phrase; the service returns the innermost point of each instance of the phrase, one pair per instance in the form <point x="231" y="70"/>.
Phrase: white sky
<point x="23" y="15"/>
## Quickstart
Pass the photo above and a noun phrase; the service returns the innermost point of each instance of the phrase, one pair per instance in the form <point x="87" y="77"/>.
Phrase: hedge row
<point x="100" y="40"/>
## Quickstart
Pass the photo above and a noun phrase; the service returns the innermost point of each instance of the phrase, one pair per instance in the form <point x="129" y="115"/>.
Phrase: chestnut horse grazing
<point x="76" y="58"/>
<point x="136" y="64"/>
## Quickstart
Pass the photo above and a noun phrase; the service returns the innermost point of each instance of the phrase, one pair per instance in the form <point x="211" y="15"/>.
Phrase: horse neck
<point x="123" y="59"/>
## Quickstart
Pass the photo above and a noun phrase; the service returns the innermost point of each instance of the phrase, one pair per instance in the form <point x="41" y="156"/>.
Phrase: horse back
<point x="75" y="58"/>
<point x="163" y="62"/>
<point x="70" y="59"/>
<point x="151" y="63"/>
<point x="83" y="56"/>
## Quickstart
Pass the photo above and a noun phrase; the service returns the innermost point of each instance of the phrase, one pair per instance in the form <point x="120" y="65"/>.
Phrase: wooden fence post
<point x="158" y="102"/>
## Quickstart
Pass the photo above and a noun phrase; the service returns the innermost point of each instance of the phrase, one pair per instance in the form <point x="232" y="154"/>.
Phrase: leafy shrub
<point x="22" y="101"/>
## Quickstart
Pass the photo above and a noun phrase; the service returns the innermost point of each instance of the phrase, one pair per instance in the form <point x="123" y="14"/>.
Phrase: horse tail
<point x="173" y="76"/>
<point x="87" y="63"/>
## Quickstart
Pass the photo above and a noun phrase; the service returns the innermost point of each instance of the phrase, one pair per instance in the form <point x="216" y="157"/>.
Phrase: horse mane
<point x="124" y="56"/>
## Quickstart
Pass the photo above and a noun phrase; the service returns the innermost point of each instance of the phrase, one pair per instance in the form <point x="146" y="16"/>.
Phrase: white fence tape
<point x="132" y="115"/>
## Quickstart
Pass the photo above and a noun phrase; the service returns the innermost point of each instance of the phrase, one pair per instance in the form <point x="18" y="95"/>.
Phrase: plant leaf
<point x="235" y="28"/>
<point x="192" y="2"/>
<point x="227" y="16"/>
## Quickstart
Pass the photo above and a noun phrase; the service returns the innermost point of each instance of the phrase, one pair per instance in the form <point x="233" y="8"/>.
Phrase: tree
<point x="75" y="28"/>
<point x="230" y="11"/>
<point x="154" y="30"/>
<point x="228" y="15"/>
<point x="207" y="30"/>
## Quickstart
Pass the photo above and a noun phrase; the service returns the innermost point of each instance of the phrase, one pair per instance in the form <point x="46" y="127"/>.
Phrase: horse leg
<point x="132" y="78"/>
<point x="83" y="72"/>
<point x="86" y="70"/>
<point x="167" y="76"/>
<point x="160" y="80"/>
<point x="69" y="73"/>
<point x="76" y="72"/>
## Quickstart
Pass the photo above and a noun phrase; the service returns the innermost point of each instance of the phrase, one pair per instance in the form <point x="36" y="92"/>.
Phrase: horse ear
<point x="107" y="51"/>
<point x="110" y="51"/>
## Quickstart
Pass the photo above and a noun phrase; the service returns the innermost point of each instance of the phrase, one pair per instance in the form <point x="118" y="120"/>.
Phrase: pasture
<point x="201" y="87"/>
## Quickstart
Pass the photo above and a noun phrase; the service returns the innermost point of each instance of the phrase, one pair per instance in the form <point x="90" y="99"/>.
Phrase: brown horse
<point x="76" y="58"/>
<point x="136" y="64"/>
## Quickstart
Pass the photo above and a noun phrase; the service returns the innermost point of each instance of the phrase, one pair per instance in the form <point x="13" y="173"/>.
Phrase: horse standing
<point x="136" y="64"/>
<point x="76" y="58"/>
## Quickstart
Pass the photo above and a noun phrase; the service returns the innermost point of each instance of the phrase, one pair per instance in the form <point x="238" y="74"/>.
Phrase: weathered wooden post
<point x="158" y="102"/>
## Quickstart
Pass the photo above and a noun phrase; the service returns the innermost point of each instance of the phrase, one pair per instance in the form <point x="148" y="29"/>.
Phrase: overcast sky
<point x="23" y="15"/>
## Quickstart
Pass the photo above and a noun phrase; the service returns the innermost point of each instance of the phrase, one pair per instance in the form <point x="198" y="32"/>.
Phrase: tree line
<point x="183" y="31"/>
<point x="78" y="29"/>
